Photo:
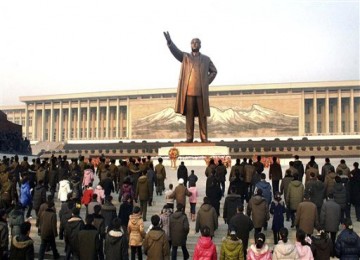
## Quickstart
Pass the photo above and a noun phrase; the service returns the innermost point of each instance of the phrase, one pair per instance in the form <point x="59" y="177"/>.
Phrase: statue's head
<point x="195" y="45"/>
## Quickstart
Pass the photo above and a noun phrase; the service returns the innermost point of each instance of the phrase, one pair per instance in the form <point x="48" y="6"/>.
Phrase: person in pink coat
<point x="303" y="245"/>
<point x="193" y="200"/>
<point x="260" y="250"/>
<point x="88" y="176"/>
<point x="100" y="194"/>
<point x="205" y="248"/>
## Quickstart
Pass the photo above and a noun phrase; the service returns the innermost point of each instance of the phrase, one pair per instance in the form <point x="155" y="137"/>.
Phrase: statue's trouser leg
<point x="190" y="115"/>
<point x="202" y="119"/>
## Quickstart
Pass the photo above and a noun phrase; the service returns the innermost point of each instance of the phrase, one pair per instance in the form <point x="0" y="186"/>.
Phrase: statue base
<point x="194" y="154"/>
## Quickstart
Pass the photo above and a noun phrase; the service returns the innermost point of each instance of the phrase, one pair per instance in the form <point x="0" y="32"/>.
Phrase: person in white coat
<point x="64" y="190"/>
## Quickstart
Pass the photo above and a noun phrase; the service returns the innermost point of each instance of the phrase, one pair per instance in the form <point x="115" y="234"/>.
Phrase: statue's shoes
<point x="205" y="141"/>
<point x="188" y="141"/>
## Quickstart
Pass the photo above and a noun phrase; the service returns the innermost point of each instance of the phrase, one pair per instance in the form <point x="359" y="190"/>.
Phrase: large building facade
<point x="285" y="109"/>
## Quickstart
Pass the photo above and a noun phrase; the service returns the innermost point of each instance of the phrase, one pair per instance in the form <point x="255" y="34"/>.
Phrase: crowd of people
<point x="13" y="142"/>
<point x="316" y="201"/>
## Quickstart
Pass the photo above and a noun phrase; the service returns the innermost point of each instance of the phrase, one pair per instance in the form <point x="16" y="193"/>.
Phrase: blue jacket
<point x="25" y="194"/>
<point x="266" y="189"/>
<point x="347" y="245"/>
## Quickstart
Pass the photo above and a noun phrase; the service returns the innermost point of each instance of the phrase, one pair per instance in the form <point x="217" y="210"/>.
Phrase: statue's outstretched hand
<point x="167" y="37"/>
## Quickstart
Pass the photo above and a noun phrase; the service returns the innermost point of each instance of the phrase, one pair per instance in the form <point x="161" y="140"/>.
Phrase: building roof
<point x="149" y="92"/>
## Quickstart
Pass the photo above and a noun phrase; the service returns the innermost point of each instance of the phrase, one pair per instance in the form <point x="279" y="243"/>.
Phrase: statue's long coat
<point x="208" y="73"/>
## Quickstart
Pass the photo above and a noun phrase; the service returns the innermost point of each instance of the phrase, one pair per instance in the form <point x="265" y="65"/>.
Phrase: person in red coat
<point x="87" y="196"/>
<point x="205" y="248"/>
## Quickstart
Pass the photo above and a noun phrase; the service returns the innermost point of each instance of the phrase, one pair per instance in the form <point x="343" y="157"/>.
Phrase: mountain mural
<point x="222" y="122"/>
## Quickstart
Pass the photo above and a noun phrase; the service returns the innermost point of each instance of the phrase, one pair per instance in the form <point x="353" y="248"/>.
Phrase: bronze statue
<point x="192" y="100"/>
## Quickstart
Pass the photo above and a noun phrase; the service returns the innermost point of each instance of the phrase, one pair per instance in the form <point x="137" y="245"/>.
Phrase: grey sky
<point x="50" y="47"/>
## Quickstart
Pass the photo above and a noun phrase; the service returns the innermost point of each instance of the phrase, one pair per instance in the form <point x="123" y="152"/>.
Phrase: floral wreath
<point x="173" y="153"/>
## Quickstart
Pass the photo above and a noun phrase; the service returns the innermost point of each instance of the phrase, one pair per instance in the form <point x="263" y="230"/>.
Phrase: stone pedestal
<point x="194" y="154"/>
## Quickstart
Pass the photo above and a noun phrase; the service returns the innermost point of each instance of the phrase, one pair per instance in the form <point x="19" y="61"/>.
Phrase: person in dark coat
<point x="239" y="184"/>
<point x="99" y="223"/>
<point x="258" y="209"/>
<point x="277" y="209"/>
<point x="192" y="178"/>
<point x="306" y="216"/>
<point x="4" y="235"/>
<point x="108" y="211"/>
<point x="220" y="175"/>
<point x="150" y="174"/>
<point x="330" y="217"/>
<point x="340" y="198"/>
<point x="275" y="174"/>
<point x="182" y="173"/>
<point x="16" y="218"/>
<point x="315" y="188"/>
<point x="206" y="216"/>
<point x="48" y="231"/>
<point x="156" y="245"/>
<point x="348" y="243"/>
<point x="214" y="193"/>
<point x="65" y="213"/>
<point x="179" y="230"/>
<point x="322" y="246"/>
<point x="143" y="193"/>
<point x="299" y="167"/>
<point x="231" y="202"/>
<point x="22" y="246"/>
<point x="354" y="184"/>
<point x="125" y="210"/>
<point x="72" y="228"/>
<point x="88" y="237"/>
<point x="107" y="184"/>
<point x="243" y="225"/>
<point x="39" y="198"/>
<point x="116" y="243"/>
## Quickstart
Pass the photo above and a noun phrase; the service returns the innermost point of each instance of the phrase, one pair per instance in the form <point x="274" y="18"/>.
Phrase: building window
<point x="307" y="127"/>
<point x="331" y="126"/>
<point x="356" y="126"/>
<point x="30" y="121"/>
<point x="54" y="135"/>
<point x="343" y="127"/>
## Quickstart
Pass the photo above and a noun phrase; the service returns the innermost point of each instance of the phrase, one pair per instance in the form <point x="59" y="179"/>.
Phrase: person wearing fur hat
<point x="348" y="242"/>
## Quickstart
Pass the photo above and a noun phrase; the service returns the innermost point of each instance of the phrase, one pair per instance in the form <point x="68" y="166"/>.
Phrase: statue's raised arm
<point x="167" y="37"/>
<point x="178" y="54"/>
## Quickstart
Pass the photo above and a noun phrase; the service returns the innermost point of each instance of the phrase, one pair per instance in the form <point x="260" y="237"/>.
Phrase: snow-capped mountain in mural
<point x="228" y="121"/>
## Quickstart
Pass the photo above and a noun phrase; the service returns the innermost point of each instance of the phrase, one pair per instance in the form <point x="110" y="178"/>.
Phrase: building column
<point x="327" y="111"/>
<point x="352" y="111"/>
<point x="43" y="122"/>
<point x="34" y="125"/>
<point x="97" y="118"/>
<point x="128" y="119"/>
<point x="78" y="120"/>
<point x="51" y="130"/>
<point x="117" y="117"/>
<point x="339" y="113"/>
<point x="60" y="129"/>
<point x="88" y="119"/>
<point x="315" y="113"/>
<point x="302" y="115"/>
<point x="26" y="120"/>
<point x="69" y="121"/>
<point x="107" y="135"/>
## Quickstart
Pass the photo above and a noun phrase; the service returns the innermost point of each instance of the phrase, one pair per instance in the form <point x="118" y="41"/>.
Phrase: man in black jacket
<point x="243" y="225"/>
<point x="72" y="228"/>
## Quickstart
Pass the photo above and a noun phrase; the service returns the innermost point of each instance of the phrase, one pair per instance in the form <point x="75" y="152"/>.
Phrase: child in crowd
<point x="126" y="209"/>
<point x="169" y="200"/>
<point x="231" y="247"/>
<point x="165" y="220"/>
<point x="260" y="250"/>
<point x="285" y="249"/>
<point x="205" y="247"/>
<point x="87" y="195"/>
<point x="303" y="245"/>
<point x="136" y="233"/>
<point x="277" y="209"/>
<point x="193" y="200"/>
<point x="100" y="194"/>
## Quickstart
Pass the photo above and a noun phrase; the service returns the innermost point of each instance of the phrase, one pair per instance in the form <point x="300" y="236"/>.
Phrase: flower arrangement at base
<point x="173" y="155"/>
